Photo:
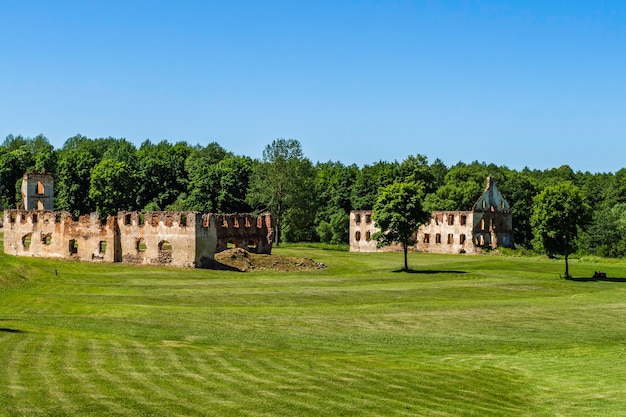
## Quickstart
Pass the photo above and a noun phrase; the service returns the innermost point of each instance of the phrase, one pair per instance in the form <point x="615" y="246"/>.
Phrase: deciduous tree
<point x="559" y="212"/>
<point x="398" y="212"/>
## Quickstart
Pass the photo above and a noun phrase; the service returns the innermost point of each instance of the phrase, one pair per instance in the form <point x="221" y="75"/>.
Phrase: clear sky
<point x="515" y="83"/>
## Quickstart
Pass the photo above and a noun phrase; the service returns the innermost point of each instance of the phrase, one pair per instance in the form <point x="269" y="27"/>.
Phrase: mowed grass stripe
<point x="475" y="336"/>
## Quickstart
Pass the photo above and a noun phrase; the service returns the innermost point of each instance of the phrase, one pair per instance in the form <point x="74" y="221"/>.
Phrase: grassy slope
<point x="466" y="336"/>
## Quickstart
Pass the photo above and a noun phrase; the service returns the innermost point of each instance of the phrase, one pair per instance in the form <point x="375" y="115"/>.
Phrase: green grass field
<point x="460" y="336"/>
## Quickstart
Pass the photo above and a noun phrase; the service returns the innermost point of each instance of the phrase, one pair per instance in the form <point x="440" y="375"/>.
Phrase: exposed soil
<point x="238" y="259"/>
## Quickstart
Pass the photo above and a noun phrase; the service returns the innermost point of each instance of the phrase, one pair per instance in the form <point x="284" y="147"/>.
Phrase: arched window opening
<point x="368" y="236"/>
<point x="141" y="245"/>
<point x="46" y="239"/>
<point x="40" y="188"/>
<point x="165" y="252"/>
<point x="73" y="246"/>
<point x="357" y="236"/>
<point x="26" y="241"/>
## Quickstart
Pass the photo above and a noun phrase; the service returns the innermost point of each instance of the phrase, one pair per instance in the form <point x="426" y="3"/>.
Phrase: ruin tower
<point x="37" y="191"/>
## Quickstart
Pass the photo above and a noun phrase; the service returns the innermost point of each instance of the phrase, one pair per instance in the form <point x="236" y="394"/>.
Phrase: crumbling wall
<point x="160" y="237"/>
<point x="362" y="228"/>
<point x="55" y="234"/>
<point x="245" y="231"/>
<point x="183" y="239"/>
<point x="37" y="191"/>
<point x="446" y="232"/>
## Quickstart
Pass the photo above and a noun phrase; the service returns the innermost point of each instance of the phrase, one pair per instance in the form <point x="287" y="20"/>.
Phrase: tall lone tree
<point x="398" y="212"/>
<point x="282" y="183"/>
<point x="559" y="212"/>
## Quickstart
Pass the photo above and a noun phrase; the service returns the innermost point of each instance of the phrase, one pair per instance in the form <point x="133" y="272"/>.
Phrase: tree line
<point x="309" y="201"/>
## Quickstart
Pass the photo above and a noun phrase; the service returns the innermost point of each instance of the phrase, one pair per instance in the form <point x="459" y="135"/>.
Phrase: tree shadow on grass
<point x="593" y="279"/>
<point x="7" y="330"/>
<point x="428" y="271"/>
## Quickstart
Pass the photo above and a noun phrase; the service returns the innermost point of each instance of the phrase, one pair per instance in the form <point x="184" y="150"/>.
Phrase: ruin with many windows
<point x="183" y="239"/>
<point x="487" y="225"/>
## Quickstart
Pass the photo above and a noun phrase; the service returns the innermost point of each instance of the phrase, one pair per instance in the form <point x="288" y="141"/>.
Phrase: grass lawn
<point x="460" y="336"/>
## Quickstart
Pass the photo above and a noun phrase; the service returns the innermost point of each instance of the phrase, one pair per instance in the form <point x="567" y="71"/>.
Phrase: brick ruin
<point x="487" y="225"/>
<point x="37" y="191"/>
<point x="183" y="239"/>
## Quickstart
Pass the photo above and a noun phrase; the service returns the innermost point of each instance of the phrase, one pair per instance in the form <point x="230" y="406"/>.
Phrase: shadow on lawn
<point x="428" y="271"/>
<point x="592" y="279"/>
<point x="7" y="330"/>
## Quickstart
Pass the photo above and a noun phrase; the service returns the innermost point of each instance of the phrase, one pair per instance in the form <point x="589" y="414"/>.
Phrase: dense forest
<point x="310" y="201"/>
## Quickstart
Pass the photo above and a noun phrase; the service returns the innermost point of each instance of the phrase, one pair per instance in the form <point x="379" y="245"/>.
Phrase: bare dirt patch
<point x="238" y="259"/>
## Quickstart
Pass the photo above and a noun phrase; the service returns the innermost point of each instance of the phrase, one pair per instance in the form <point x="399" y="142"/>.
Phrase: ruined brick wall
<point x="245" y="231"/>
<point x="487" y="226"/>
<point x="447" y="232"/>
<point x="362" y="228"/>
<point x="165" y="238"/>
<point x="55" y="234"/>
<point x="183" y="239"/>
<point x="37" y="191"/>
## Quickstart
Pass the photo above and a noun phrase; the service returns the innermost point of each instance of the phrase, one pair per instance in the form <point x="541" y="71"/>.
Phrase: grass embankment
<point x="462" y="336"/>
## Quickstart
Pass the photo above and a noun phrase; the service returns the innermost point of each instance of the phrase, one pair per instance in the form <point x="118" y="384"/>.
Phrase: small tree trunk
<point x="406" y="249"/>
<point x="566" y="267"/>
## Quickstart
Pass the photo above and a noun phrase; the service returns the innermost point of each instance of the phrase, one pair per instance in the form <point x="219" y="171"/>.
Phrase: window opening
<point x="463" y="219"/>
<point x="127" y="219"/>
<point x="46" y="239"/>
<point x="35" y="218"/>
<point x="438" y="238"/>
<point x="357" y="219"/>
<point x="40" y="188"/>
<point x="450" y="238"/>
<point x="141" y="245"/>
<point x="57" y="218"/>
<point x="482" y="224"/>
<point x="183" y="220"/>
<point x="12" y="218"/>
<point x="142" y="219"/>
<point x="357" y="236"/>
<point x="73" y="246"/>
<point x="26" y="241"/>
<point x="165" y="252"/>
<point x="102" y="247"/>
<point x="426" y="238"/>
<point x="368" y="218"/>
<point x="368" y="235"/>
<point x="450" y="219"/>
<point x="462" y="239"/>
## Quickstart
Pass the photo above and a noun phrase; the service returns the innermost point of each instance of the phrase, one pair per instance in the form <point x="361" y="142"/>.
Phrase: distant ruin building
<point x="487" y="225"/>
<point x="37" y="191"/>
<point x="183" y="239"/>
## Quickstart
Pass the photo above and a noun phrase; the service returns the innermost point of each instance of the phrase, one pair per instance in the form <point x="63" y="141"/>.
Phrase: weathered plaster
<point x="487" y="226"/>
<point x="183" y="239"/>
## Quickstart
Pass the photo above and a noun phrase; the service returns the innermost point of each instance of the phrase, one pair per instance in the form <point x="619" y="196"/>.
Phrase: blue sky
<point x="515" y="83"/>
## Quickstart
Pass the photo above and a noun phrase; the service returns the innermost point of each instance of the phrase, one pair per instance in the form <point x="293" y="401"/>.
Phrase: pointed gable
<point x="491" y="199"/>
